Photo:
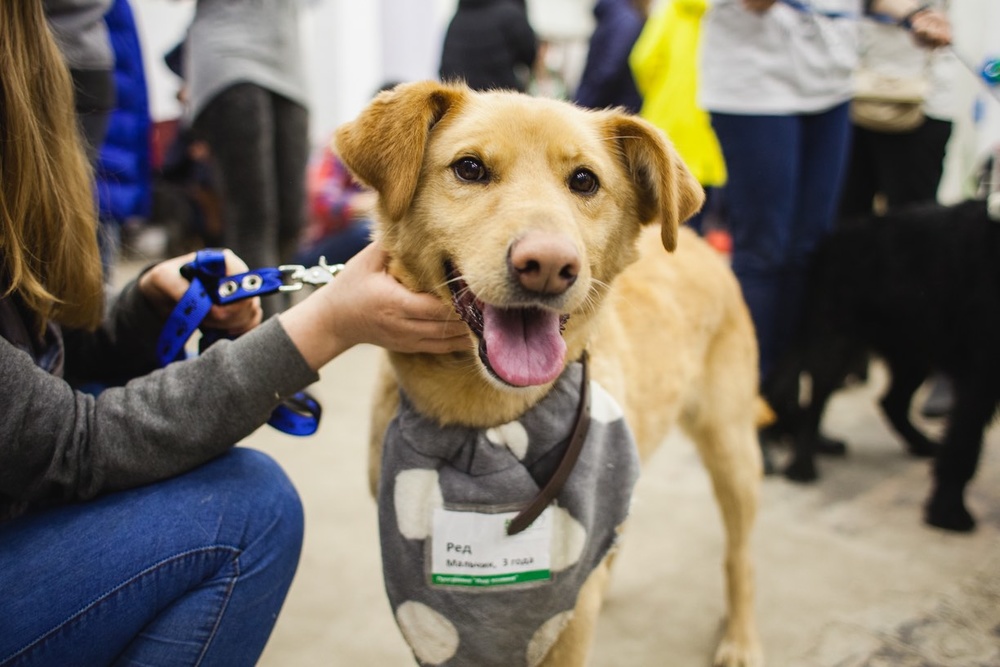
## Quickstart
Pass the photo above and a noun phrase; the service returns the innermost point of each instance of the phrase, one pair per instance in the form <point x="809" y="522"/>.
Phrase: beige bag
<point x="886" y="103"/>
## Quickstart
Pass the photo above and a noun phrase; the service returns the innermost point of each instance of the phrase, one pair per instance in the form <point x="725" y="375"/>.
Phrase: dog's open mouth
<point x="520" y="346"/>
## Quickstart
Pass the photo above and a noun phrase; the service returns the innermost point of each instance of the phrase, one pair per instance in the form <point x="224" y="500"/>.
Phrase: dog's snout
<point x="544" y="263"/>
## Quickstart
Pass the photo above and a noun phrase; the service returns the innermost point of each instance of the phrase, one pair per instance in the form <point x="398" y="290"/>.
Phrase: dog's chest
<point x="464" y="593"/>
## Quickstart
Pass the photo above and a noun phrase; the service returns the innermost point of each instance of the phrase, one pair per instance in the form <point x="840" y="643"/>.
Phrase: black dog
<point x="921" y="289"/>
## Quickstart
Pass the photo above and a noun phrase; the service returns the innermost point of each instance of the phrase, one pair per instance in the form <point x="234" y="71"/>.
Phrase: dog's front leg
<point x="573" y="645"/>
<point x="385" y="404"/>
<point x="733" y="460"/>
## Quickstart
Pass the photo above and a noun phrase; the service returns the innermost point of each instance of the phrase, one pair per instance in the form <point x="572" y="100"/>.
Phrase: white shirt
<point x="783" y="61"/>
<point x="252" y="41"/>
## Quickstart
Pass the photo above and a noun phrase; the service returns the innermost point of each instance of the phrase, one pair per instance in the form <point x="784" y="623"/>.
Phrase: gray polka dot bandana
<point x="464" y="594"/>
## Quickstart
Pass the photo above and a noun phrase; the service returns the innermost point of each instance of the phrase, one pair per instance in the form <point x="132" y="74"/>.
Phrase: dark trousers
<point x="903" y="167"/>
<point x="260" y="145"/>
<point x="785" y="174"/>
<point x="94" y="94"/>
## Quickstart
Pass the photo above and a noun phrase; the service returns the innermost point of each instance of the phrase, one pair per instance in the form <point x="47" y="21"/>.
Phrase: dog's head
<point x="519" y="210"/>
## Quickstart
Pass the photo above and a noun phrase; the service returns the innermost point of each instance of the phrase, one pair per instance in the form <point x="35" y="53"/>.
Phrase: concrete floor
<point x="847" y="575"/>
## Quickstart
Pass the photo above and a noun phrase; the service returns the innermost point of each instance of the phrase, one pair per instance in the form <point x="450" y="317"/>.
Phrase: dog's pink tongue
<point x="524" y="346"/>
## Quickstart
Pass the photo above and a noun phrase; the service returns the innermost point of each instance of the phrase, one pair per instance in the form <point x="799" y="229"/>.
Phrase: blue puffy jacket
<point x="123" y="169"/>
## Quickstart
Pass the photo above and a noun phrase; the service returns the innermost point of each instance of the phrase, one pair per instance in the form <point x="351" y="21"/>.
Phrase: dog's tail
<point x="765" y="415"/>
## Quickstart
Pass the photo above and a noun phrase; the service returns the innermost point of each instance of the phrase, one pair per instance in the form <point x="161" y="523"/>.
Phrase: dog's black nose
<point x="544" y="263"/>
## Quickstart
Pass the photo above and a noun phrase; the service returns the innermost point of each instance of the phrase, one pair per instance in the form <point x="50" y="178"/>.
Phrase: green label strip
<point x="491" y="580"/>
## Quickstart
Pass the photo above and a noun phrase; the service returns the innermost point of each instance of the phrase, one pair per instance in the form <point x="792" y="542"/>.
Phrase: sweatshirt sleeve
<point x="122" y="348"/>
<point x="60" y="444"/>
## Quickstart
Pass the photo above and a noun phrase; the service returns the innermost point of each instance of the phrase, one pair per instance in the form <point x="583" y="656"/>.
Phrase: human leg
<point x="761" y="154"/>
<point x="861" y="178"/>
<point x="95" y="98"/>
<point x="911" y="163"/>
<point x="94" y="95"/>
<point x="192" y="570"/>
<point x="821" y="164"/>
<point x="238" y="127"/>
<point x="291" y="154"/>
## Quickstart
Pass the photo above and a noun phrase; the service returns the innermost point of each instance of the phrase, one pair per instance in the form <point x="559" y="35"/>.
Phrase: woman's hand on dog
<point x="364" y="304"/>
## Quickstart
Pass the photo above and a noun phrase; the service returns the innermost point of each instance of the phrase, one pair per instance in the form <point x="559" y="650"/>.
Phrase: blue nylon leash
<point x="297" y="415"/>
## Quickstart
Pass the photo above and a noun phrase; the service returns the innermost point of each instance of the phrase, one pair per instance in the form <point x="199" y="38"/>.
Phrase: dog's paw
<point x="738" y="654"/>
<point x="802" y="470"/>
<point x="949" y="514"/>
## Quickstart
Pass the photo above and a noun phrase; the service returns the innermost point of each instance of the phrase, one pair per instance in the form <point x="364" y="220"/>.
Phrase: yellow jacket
<point x="664" y="62"/>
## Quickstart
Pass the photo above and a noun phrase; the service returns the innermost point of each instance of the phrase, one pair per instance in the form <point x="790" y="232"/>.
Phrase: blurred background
<point x="353" y="47"/>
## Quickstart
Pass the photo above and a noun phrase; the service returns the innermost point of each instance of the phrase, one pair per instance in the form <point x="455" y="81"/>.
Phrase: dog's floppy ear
<point x="668" y="193"/>
<point x="384" y="145"/>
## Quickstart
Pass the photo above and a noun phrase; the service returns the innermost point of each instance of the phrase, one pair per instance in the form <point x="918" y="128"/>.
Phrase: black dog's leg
<point x="906" y="379"/>
<point x="827" y="369"/>
<point x="959" y="456"/>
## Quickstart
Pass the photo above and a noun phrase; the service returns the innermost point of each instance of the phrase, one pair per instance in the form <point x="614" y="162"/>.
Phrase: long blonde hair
<point x="48" y="219"/>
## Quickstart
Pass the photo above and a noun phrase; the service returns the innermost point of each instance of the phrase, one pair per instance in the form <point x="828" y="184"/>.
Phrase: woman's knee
<point x="258" y="498"/>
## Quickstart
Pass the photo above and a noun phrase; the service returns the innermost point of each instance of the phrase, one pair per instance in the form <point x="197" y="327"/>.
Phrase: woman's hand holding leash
<point x="363" y="304"/>
<point x="163" y="286"/>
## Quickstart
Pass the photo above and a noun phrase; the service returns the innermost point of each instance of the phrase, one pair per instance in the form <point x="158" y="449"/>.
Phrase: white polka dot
<point x="511" y="435"/>
<point x="545" y="637"/>
<point x="416" y="496"/>
<point x="568" y="539"/>
<point x="432" y="637"/>
<point x="603" y="408"/>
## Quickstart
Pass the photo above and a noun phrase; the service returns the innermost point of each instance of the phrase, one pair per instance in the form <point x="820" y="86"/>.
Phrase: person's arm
<point x="59" y="444"/>
<point x="929" y="26"/>
<point x="124" y="346"/>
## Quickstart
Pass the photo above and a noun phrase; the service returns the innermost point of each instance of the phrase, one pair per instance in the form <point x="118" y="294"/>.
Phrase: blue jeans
<point x="189" y="571"/>
<point x="785" y="177"/>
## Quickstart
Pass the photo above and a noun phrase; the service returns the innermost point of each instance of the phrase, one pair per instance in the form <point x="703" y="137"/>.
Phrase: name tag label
<point x="473" y="549"/>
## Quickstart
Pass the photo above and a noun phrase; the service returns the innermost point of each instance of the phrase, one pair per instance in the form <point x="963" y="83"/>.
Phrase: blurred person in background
<point x="900" y="167"/>
<point x="888" y="169"/>
<point x="123" y="169"/>
<point x="489" y="44"/>
<point x="339" y="212"/>
<point x="247" y="97"/>
<point x="776" y="78"/>
<point x="82" y="36"/>
<point x="607" y="79"/>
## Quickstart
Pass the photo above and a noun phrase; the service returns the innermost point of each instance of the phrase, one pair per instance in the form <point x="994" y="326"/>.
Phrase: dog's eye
<point x="583" y="181"/>
<point x="470" y="169"/>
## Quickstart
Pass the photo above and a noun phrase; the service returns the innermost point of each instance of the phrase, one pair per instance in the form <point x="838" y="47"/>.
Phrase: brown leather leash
<point x="555" y="484"/>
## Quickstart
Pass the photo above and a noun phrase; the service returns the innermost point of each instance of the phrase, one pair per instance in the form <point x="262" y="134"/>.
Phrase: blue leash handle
<point x="296" y="415"/>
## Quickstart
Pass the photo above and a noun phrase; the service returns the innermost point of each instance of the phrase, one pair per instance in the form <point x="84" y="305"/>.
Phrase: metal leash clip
<point x="296" y="276"/>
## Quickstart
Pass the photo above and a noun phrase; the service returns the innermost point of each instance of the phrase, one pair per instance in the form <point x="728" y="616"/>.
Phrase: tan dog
<point x="532" y="209"/>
